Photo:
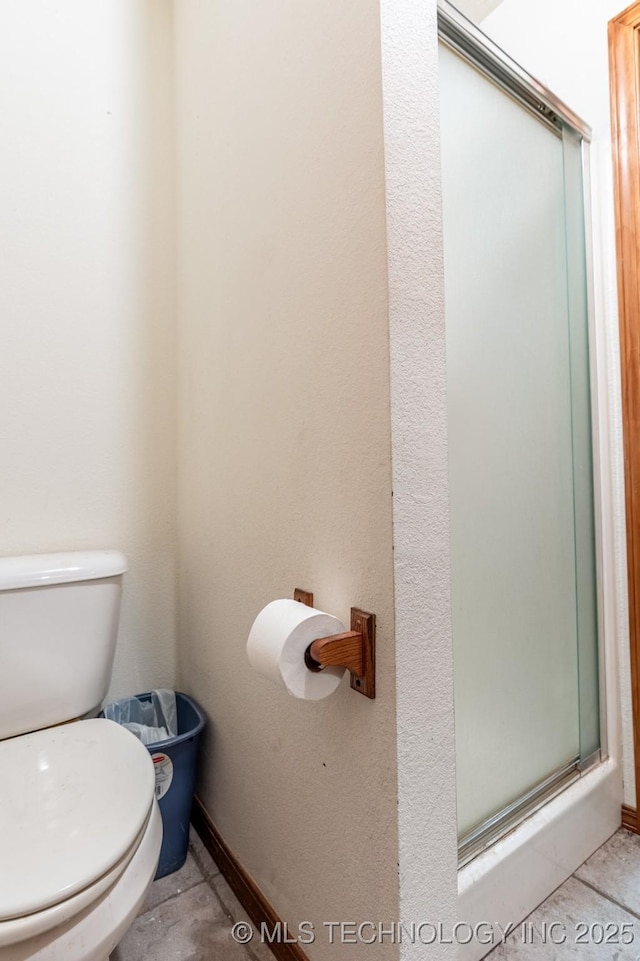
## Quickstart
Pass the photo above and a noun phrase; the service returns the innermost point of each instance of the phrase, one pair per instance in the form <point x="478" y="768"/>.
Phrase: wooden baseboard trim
<point x="242" y="884"/>
<point x="630" y="819"/>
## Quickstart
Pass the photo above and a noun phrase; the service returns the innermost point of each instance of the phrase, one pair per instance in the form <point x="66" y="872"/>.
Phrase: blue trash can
<point x="174" y="760"/>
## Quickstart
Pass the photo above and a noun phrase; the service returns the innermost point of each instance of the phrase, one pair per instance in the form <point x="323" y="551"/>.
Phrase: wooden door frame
<point x="624" y="63"/>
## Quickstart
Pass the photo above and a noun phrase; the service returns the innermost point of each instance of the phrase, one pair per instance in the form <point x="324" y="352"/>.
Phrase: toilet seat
<point x="22" y="929"/>
<point x="93" y="934"/>
<point x="74" y="802"/>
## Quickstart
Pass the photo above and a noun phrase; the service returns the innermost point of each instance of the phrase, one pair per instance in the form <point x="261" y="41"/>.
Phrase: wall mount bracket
<point x="355" y="649"/>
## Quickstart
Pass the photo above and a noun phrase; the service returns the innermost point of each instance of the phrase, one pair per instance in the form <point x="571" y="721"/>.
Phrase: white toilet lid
<point x="73" y="799"/>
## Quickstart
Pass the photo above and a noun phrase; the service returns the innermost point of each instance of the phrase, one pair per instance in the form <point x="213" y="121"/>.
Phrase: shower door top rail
<point x="468" y="40"/>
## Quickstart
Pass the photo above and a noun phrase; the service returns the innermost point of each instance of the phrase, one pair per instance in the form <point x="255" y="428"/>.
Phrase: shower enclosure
<point x="523" y="541"/>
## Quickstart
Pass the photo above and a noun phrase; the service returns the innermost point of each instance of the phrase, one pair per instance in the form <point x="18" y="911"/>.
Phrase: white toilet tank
<point x="58" y="628"/>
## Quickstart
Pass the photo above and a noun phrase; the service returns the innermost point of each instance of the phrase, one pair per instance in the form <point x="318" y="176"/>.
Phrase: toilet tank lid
<point x="41" y="570"/>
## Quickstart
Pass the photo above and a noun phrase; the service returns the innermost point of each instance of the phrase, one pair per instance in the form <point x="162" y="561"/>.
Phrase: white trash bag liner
<point x="150" y="721"/>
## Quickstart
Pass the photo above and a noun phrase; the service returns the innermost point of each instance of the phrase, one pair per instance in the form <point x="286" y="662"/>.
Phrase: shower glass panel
<point x="520" y="461"/>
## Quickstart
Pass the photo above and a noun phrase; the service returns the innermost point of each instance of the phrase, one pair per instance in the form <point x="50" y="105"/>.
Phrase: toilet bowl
<point x="80" y="829"/>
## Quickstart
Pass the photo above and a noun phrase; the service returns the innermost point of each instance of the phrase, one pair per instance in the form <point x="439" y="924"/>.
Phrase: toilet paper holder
<point x="355" y="649"/>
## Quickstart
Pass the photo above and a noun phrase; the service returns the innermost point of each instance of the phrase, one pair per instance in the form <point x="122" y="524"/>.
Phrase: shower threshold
<point x="495" y="827"/>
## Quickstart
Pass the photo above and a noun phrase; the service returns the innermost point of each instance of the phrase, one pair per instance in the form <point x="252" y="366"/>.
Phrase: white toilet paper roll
<point x="280" y="635"/>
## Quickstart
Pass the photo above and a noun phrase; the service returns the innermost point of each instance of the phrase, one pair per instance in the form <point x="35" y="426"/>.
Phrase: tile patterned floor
<point x="188" y="915"/>
<point x="596" y="912"/>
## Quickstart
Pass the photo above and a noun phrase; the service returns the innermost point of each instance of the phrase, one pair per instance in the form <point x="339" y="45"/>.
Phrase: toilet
<point x="80" y="829"/>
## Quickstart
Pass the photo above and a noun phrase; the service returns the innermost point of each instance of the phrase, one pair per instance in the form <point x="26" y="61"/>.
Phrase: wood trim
<point x="624" y="63"/>
<point x="630" y="818"/>
<point x="630" y="17"/>
<point x="241" y="883"/>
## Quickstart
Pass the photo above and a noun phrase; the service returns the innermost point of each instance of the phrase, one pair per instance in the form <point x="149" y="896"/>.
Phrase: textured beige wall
<point x="284" y="450"/>
<point x="428" y="848"/>
<point x="87" y="300"/>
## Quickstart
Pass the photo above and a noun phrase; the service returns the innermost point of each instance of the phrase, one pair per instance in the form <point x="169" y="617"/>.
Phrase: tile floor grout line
<point x="224" y="907"/>
<point x="252" y="955"/>
<point x="608" y="897"/>
<point x="172" y="897"/>
<point x="230" y="917"/>
<point x="201" y="866"/>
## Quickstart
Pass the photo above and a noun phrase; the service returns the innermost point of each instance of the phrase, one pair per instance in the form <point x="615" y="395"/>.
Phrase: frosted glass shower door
<point x="524" y="617"/>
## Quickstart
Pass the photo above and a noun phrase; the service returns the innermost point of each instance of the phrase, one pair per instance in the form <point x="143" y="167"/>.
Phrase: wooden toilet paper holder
<point x="355" y="649"/>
